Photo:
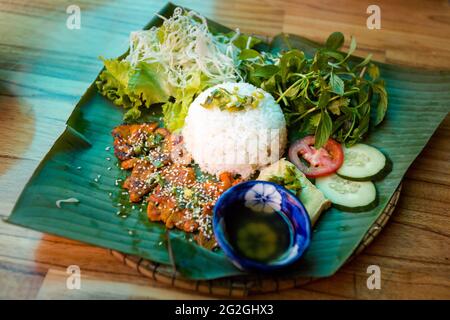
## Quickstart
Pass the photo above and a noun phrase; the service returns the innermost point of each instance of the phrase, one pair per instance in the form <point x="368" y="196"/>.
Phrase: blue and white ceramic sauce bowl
<point x="261" y="226"/>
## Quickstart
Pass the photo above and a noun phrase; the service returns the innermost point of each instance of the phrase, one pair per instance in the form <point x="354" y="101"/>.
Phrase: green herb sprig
<point x="328" y="95"/>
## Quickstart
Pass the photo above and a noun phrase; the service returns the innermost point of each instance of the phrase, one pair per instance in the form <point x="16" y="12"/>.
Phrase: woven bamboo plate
<point x="243" y="286"/>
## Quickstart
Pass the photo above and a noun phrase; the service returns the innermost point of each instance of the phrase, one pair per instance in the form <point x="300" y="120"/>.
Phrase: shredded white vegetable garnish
<point x="69" y="200"/>
<point x="183" y="45"/>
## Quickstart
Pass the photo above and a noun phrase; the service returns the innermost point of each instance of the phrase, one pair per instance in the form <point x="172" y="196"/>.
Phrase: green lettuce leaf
<point x="118" y="70"/>
<point x="113" y="83"/>
<point x="175" y="112"/>
<point x="149" y="82"/>
<point x="145" y="85"/>
<point x="133" y="87"/>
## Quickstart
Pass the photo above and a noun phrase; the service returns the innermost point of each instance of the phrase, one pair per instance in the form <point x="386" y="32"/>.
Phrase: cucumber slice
<point x="364" y="163"/>
<point x="347" y="195"/>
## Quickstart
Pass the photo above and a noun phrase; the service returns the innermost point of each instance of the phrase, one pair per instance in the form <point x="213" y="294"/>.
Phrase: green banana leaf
<point x="80" y="165"/>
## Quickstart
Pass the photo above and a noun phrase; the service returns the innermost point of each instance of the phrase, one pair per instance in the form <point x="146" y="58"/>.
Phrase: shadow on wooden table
<point x="18" y="119"/>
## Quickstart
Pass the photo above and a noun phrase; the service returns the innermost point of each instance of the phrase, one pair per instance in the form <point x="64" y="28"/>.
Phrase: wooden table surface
<point x="45" y="68"/>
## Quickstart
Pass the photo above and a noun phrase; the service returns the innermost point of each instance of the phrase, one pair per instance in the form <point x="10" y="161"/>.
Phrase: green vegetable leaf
<point x="323" y="130"/>
<point x="132" y="114"/>
<point x="324" y="98"/>
<point x="315" y="119"/>
<point x="335" y="106"/>
<point x="352" y="47"/>
<point x="292" y="92"/>
<point x="337" y="85"/>
<point x="243" y="41"/>
<point x="333" y="54"/>
<point x="364" y="62"/>
<point x="113" y="84"/>
<point x="174" y="115"/>
<point x="270" y="85"/>
<point x="133" y="88"/>
<point x="363" y="126"/>
<point x="379" y="88"/>
<point x="373" y="71"/>
<point x="307" y="87"/>
<point x="335" y="41"/>
<point x="175" y="112"/>
<point x="265" y="71"/>
<point x="249" y="54"/>
<point x="148" y="82"/>
<point x="118" y="69"/>
<point x="291" y="61"/>
<point x="320" y="61"/>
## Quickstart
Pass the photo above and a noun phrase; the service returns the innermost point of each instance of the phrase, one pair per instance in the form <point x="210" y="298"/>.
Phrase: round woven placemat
<point x="241" y="286"/>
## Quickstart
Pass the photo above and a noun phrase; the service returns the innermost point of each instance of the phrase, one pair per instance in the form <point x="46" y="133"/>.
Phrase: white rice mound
<point x="239" y="142"/>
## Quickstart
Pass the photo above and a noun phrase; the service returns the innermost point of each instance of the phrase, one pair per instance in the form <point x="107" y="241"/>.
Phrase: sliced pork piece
<point x="139" y="183"/>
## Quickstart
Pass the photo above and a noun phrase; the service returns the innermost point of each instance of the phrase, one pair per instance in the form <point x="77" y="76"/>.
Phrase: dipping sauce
<point x="261" y="226"/>
<point x="257" y="235"/>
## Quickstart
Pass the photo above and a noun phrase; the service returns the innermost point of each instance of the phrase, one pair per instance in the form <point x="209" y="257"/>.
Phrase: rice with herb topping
<point x="241" y="135"/>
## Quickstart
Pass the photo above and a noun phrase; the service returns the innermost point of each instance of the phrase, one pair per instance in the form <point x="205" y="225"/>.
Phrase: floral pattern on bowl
<point x="263" y="197"/>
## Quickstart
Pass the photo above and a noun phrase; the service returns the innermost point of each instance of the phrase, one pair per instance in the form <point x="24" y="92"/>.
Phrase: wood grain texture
<point x="45" y="67"/>
<point x="100" y="286"/>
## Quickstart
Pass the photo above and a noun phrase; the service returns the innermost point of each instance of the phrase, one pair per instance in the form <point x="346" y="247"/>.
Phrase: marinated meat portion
<point x="129" y="138"/>
<point x="129" y="163"/>
<point x="162" y="171"/>
<point x="178" y="175"/>
<point x="139" y="183"/>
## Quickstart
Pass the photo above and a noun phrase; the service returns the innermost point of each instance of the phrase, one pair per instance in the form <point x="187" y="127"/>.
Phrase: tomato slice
<point x="322" y="162"/>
